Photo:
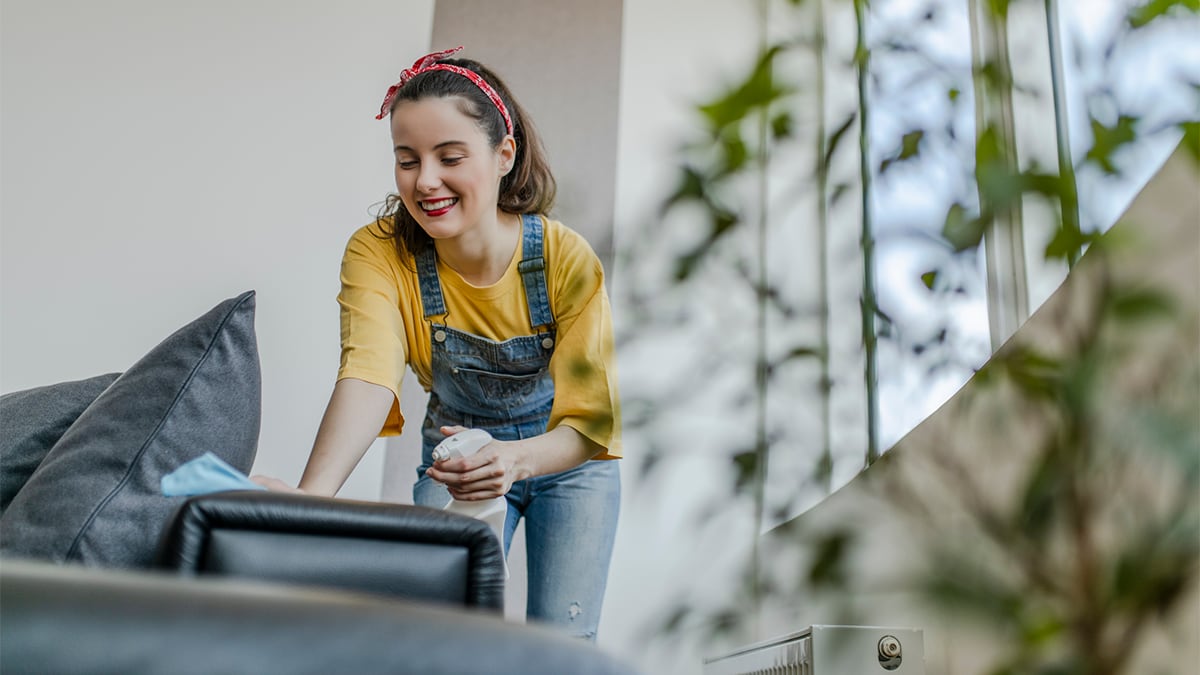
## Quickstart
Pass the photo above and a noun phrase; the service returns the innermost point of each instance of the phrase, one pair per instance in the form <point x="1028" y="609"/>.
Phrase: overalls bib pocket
<point x="513" y="389"/>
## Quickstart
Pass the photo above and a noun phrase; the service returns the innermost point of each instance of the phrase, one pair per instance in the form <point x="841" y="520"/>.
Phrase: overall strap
<point x="533" y="272"/>
<point x="431" y="285"/>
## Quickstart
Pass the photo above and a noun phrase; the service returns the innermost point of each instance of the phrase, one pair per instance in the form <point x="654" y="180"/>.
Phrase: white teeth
<point x="439" y="204"/>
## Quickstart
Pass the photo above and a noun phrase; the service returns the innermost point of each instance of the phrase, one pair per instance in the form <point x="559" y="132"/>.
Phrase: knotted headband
<point x="430" y="62"/>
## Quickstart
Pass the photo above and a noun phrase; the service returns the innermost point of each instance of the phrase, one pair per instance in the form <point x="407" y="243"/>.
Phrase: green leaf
<point x="1067" y="242"/>
<point x="1000" y="186"/>
<point x="823" y="471"/>
<point x="830" y="560"/>
<point x="960" y="231"/>
<point x="1042" y="629"/>
<point x="1157" y="566"/>
<point x="1191" y="138"/>
<point x="796" y="353"/>
<point x="988" y="149"/>
<point x="781" y="126"/>
<point x="1048" y="184"/>
<point x="1140" y="305"/>
<point x="1106" y="141"/>
<point x="746" y="466"/>
<point x="929" y="279"/>
<point x="691" y="186"/>
<point x="836" y="138"/>
<point x="909" y="147"/>
<point x="1036" y="374"/>
<point x="758" y="90"/>
<point x="1044" y="494"/>
<point x="734" y="152"/>
<point x="956" y="583"/>
<point x="994" y="77"/>
<point x="1144" y="14"/>
<point x="910" y="143"/>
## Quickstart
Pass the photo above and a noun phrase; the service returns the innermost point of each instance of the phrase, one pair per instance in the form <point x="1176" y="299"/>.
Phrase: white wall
<point x="661" y="555"/>
<point x="158" y="157"/>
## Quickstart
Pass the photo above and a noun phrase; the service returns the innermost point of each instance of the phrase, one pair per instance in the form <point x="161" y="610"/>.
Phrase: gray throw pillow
<point x="96" y="498"/>
<point x="32" y="421"/>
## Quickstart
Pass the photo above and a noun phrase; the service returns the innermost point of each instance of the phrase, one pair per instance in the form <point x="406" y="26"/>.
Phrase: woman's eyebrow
<point x="439" y="146"/>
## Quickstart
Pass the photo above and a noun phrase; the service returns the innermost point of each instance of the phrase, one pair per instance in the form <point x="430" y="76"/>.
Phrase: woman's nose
<point x="428" y="178"/>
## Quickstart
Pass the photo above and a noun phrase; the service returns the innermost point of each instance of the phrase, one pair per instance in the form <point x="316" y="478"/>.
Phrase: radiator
<point x="828" y="650"/>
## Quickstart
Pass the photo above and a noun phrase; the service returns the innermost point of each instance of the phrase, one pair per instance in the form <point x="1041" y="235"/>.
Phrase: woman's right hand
<point x="276" y="485"/>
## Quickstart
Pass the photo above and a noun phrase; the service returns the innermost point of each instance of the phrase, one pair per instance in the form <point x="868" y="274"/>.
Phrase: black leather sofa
<point x="256" y="582"/>
<point x="378" y="548"/>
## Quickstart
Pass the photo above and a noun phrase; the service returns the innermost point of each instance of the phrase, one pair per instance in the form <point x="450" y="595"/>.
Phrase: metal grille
<point x="828" y="650"/>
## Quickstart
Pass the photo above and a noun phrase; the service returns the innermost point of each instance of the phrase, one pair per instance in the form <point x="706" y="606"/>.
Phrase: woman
<point x="503" y="316"/>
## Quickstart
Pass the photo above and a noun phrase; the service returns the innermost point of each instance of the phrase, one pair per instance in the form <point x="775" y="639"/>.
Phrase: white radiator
<point x="828" y="650"/>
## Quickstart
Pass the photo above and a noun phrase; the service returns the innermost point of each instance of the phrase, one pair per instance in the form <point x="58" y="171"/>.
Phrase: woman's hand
<point x="276" y="485"/>
<point x="488" y="473"/>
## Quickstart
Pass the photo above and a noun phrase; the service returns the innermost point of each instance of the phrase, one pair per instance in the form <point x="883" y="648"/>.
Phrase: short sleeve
<point x="372" y="328"/>
<point x="583" y="368"/>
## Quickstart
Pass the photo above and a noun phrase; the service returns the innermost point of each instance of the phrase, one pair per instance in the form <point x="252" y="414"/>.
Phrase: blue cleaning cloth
<point x="207" y="473"/>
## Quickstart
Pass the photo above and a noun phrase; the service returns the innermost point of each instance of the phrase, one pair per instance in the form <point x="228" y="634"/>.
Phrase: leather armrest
<point x="390" y="549"/>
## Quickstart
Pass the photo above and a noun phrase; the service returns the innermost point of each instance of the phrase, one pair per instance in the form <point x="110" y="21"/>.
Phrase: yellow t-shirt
<point x="384" y="326"/>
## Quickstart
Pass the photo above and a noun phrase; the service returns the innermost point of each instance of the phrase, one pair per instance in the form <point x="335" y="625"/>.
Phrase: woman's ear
<point x="507" y="154"/>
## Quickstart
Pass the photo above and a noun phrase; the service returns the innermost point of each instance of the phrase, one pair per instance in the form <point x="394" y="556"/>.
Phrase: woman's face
<point x="447" y="173"/>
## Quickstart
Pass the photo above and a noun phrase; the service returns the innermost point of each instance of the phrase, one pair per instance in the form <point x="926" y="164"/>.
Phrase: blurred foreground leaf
<point x="1106" y="141"/>
<point x="1144" y="14"/>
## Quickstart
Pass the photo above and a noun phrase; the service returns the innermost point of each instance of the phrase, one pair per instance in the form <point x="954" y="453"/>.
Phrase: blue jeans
<point x="570" y="525"/>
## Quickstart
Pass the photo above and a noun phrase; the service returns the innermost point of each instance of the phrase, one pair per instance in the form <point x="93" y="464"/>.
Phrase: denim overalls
<point x="505" y="388"/>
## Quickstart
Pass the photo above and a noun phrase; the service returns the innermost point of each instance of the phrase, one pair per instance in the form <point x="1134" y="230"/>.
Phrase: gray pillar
<point x="562" y="60"/>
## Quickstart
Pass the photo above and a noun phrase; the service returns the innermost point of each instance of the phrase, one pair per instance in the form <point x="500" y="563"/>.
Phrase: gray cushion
<point x="96" y="498"/>
<point x="32" y="421"/>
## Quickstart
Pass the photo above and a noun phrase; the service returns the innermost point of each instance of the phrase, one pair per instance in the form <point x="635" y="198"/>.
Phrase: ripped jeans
<point x="570" y="525"/>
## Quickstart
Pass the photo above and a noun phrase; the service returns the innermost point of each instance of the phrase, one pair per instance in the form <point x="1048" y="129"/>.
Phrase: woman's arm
<point x="351" y="423"/>
<point x="352" y="420"/>
<point x="492" y="471"/>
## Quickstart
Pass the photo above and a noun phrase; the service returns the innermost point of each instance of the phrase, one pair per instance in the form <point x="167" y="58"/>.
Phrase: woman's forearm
<point x="559" y="449"/>
<point x="352" y="420"/>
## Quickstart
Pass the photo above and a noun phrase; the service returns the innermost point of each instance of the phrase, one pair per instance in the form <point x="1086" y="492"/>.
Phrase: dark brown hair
<point x="528" y="188"/>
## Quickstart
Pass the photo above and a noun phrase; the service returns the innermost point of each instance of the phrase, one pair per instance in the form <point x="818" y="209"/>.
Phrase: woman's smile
<point x="438" y="207"/>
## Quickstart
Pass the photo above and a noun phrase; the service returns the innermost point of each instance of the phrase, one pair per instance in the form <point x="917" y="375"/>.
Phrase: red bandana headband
<point x="430" y="62"/>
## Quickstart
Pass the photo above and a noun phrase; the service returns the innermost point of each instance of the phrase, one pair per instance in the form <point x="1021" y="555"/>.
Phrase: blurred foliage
<point x="1098" y="538"/>
<point x="1097" y="560"/>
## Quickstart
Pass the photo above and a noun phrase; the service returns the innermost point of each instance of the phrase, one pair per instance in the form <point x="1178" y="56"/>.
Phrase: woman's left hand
<point x="488" y="473"/>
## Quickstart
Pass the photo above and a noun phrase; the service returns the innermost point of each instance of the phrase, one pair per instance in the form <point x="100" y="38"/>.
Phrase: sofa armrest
<point x="65" y="619"/>
<point x="390" y="549"/>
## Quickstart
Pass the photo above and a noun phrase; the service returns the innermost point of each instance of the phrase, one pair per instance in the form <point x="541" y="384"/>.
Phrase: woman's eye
<point x="406" y="164"/>
<point x="451" y="161"/>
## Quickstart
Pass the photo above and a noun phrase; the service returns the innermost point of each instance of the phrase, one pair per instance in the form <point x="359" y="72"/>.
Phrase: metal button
<point x="547" y="343"/>
<point x="440" y="335"/>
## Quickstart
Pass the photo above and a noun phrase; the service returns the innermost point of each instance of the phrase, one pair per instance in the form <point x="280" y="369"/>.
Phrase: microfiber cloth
<point x="207" y="473"/>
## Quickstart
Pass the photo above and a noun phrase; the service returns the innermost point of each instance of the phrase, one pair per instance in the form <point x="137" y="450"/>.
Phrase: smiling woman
<point x="448" y="178"/>
<point x="503" y="315"/>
